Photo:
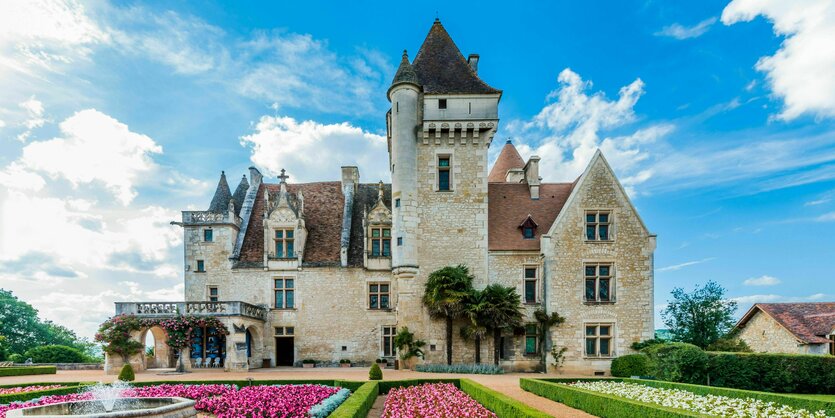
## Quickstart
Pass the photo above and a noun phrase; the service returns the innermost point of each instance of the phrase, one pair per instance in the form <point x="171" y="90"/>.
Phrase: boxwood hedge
<point x="27" y="370"/>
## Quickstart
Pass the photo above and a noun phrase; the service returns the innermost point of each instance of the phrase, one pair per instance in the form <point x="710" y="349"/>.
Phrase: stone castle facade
<point x="331" y="270"/>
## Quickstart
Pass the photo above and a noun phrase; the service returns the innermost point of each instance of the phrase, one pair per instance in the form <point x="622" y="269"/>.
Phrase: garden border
<point x="69" y="387"/>
<point x="27" y="370"/>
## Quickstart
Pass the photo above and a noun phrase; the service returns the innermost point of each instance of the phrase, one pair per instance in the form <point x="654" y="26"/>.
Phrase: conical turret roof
<point x="220" y="202"/>
<point x="508" y="159"/>
<point x="240" y="195"/>
<point x="405" y="73"/>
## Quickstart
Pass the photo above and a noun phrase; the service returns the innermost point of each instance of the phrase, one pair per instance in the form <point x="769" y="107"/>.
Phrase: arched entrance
<point x="156" y="353"/>
<point x="254" y="347"/>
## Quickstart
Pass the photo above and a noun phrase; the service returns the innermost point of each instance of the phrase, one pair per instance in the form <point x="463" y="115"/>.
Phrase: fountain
<point x="108" y="402"/>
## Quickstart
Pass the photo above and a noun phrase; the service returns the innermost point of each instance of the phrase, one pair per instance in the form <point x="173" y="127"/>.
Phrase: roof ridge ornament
<point x="283" y="177"/>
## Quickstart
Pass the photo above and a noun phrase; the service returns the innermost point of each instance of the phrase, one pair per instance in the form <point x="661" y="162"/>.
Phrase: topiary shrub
<point x="55" y="354"/>
<point x="678" y="362"/>
<point x="375" y="373"/>
<point x="17" y="358"/>
<point x="631" y="365"/>
<point x="126" y="375"/>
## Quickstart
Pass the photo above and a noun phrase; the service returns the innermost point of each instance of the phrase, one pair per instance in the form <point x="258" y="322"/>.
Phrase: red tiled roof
<point x="508" y="158"/>
<point x="809" y="322"/>
<point x="510" y="204"/>
<point x="323" y="204"/>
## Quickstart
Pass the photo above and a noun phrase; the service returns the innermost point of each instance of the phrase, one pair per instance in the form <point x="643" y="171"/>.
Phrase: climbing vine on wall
<point x="115" y="333"/>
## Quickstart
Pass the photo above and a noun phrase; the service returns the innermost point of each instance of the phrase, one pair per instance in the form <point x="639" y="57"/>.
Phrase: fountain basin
<point x="125" y="407"/>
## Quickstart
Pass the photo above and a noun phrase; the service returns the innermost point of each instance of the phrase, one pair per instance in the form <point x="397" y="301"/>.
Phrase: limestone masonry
<point x="331" y="270"/>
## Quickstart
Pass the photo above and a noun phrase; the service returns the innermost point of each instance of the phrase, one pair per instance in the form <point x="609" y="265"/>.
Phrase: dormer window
<point x="528" y="228"/>
<point x="380" y="242"/>
<point x="284" y="243"/>
<point x="527" y="232"/>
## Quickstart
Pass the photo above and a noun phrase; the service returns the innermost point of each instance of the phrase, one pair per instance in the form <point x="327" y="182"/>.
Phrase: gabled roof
<point x="441" y="68"/>
<point x="808" y="322"/>
<point x="220" y="201"/>
<point x="510" y="204"/>
<point x="508" y="159"/>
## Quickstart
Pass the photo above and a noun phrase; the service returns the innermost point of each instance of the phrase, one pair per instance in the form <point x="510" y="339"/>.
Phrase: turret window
<point x="444" y="174"/>
<point x="207" y="235"/>
<point x="284" y="239"/>
<point x="380" y="242"/>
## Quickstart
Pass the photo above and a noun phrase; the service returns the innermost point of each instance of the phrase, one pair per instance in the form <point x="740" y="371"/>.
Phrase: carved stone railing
<point x="200" y="308"/>
<point x="194" y="217"/>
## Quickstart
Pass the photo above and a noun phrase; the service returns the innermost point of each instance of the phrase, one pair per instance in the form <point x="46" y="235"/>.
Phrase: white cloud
<point x="34" y="117"/>
<point x="679" y="31"/>
<point x="770" y="298"/>
<point x="802" y="71"/>
<point x="283" y="142"/>
<point x="94" y="147"/>
<point x="567" y="131"/>
<point x="680" y="266"/>
<point x="827" y="217"/>
<point x="762" y="281"/>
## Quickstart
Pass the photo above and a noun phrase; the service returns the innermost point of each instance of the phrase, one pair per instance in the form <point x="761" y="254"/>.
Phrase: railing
<point x="204" y="217"/>
<point x="156" y="309"/>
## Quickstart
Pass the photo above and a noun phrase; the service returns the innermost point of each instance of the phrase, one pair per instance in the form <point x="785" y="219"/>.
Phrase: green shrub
<point x="460" y="368"/>
<point x="638" y="346"/>
<point x="375" y="373"/>
<point x="17" y="358"/>
<point x="55" y="354"/>
<point x="308" y="361"/>
<point x="783" y="373"/>
<point x="677" y="362"/>
<point x="126" y="375"/>
<point x="501" y="404"/>
<point x="631" y="365"/>
<point x="360" y="402"/>
<point x="27" y="370"/>
<point x="729" y="345"/>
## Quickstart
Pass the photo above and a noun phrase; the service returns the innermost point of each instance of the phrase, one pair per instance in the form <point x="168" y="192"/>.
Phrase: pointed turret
<point x="405" y="72"/>
<point x="441" y="68"/>
<point x="220" y="202"/>
<point x="509" y="159"/>
<point x="240" y="195"/>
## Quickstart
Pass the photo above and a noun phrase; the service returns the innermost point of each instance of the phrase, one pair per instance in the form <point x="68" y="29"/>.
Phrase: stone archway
<point x="162" y="355"/>
<point x="254" y="346"/>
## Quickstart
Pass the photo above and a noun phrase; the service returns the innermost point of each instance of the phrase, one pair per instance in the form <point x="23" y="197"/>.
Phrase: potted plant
<point x="382" y="361"/>
<point x="410" y="348"/>
<point x="308" y="363"/>
<point x="344" y="363"/>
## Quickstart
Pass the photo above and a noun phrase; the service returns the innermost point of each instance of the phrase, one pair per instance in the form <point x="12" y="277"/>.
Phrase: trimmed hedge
<point x="502" y="405"/>
<point x="782" y="373"/>
<point x="631" y="365"/>
<point x="359" y="403"/>
<point x="22" y="397"/>
<point x="27" y="370"/>
<point x="55" y="354"/>
<point x="600" y="404"/>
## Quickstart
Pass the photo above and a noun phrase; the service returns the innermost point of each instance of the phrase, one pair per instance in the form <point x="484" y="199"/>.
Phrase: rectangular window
<point x="207" y="235"/>
<point x="531" y="339"/>
<point x="598" y="283"/>
<point x="380" y="242"/>
<point x="213" y="294"/>
<point x="397" y="202"/>
<point x="527" y="232"/>
<point x="441" y="103"/>
<point x="443" y="174"/>
<point x="284" y="239"/>
<point x="284" y="331"/>
<point x="201" y="267"/>
<point x="599" y="340"/>
<point x="388" y="348"/>
<point x="530" y="284"/>
<point x="285" y="294"/>
<point x="378" y="295"/>
<point x="598" y="225"/>
<point x="399" y="241"/>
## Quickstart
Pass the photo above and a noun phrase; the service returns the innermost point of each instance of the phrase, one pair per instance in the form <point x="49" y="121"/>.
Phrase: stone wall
<point x="765" y="335"/>
<point x="215" y="256"/>
<point x="630" y="252"/>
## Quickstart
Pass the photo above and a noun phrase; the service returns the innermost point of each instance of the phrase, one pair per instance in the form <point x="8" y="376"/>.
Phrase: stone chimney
<point x="350" y="183"/>
<point x="532" y="176"/>
<point x="515" y="175"/>
<point x="473" y="61"/>
<point x="350" y="176"/>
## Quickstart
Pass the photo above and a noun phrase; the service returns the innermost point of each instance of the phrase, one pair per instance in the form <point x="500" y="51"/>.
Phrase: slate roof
<point x="508" y="158"/>
<point x="405" y="72"/>
<point x="509" y="204"/>
<point x="441" y="68"/>
<point x="364" y="199"/>
<point x="220" y="201"/>
<point x="808" y="322"/>
<point x="240" y="195"/>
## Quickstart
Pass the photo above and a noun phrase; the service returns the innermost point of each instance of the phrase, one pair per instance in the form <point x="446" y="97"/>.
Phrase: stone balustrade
<point x="201" y="217"/>
<point x="202" y="308"/>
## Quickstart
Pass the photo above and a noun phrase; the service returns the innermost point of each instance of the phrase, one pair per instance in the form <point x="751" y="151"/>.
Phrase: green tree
<point x="503" y="311"/>
<point x="444" y="296"/>
<point x="700" y="317"/>
<point x="19" y="323"/>
<point x="544" y="323"/>
<point x="407" y="345"/>
<point x="474" y="309"/>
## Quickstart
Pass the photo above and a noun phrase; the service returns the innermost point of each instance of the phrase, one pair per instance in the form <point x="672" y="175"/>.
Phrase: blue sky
<point x="718" y="117"/>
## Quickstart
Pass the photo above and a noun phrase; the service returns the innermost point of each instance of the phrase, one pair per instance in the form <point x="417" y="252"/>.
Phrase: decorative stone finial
<point x="380" y="190"/>
<point x="283" y="177"/>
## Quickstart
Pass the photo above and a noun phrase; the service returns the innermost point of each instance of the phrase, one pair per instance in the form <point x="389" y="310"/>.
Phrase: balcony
<point x="166" y="309"/>
<point x="202" y="217"/>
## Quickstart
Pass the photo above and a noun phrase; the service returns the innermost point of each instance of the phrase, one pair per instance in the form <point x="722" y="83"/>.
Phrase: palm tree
<point x="474" y="308"/>
<point x="444" y="296"/>
<point x="502" y="310"/>
<point x="546" y="321"/>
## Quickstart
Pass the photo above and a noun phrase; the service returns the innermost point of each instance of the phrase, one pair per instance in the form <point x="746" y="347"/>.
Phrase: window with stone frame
<point x="531" y="284"/>
<point x="598" y="225"/>
<point x="214" y="294"/>
<point x="531" y="339"/>
<point x="208" y="235"/>
<point x="284" y="243"/>
<point x="201" y="266"/>
<point x="444" y="173"/>
<point x="380" y="241"/>
<point x="599" y="282"/>
<point x="378" y="295"/>
<point x="285" y="293"/>
<point x="284" y="331"/>
<point x="387" y="343"/>
<point x="599" y="340"/>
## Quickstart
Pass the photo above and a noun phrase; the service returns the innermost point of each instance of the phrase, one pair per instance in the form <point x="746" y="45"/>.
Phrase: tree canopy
<point x="701" y="317"/>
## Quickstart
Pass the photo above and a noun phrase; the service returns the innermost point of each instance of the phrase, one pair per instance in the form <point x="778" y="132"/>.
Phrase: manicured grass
<point x="27" y="370"/>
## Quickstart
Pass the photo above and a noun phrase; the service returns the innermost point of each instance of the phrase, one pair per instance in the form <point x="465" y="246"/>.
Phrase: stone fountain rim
<point x="179" y="402"/>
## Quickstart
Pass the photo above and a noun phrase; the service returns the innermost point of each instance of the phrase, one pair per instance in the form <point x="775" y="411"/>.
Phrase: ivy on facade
<point x="115" y="333"/>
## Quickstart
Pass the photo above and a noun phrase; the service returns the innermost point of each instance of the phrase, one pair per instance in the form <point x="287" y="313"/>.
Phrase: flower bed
<point x="432" y="400"/>
<point x="224" y="401"/>
<point x="24" y="389"/>
<point x="714" y="405"/>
